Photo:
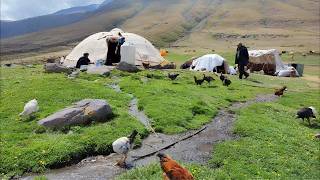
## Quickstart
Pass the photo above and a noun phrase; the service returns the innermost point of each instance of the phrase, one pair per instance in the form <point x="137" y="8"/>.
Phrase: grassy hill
<point x="194" y="24"/>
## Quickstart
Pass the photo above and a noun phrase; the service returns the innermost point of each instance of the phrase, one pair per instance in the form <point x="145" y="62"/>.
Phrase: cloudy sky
<point x="21" y="9"/>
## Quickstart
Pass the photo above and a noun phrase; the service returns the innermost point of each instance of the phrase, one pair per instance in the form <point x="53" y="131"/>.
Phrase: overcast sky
<point x="21" y="9"/>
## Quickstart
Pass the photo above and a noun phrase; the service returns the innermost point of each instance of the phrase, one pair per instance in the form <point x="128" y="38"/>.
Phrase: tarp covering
<point x="209" y="63"/>
<point x="267" y="60"/>
<point x="97" y="48"/>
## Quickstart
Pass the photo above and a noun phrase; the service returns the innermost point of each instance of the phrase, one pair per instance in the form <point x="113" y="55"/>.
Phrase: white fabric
<point x="97" y="48"/>
<point x="232" y="70"/>
<point x="207" y="62"/>
<point x="280" y="66"/>
<point x="121" y="145"/>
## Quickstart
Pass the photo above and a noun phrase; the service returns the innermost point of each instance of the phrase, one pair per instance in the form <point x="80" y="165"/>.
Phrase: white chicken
<point x="122" y="146"/>
<point x="30" y="108"/>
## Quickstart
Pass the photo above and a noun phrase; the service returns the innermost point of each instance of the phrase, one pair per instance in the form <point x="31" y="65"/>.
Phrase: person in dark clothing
<point x="111" y="55"/>
<point x="84" y="60"/>
<point x="242" y="60"/>
<point x="121" y="40"/>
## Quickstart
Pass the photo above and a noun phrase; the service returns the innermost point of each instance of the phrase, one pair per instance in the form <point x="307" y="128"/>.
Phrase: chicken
<point x="30" y="108"/>
<point x="172" y="170"/>
<point x="198" y="81"/>
<point x="222" y="77"/>
<point x="280" y="92"/>
<point x="307" y="113"/>
<point x="173" y="76"/>
<point x="122" y="146"/>
<point x="208" y="78"/>
<point x="226" y="82"/>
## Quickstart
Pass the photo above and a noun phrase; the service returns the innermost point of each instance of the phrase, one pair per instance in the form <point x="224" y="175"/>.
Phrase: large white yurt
<point x="97" y="48"/>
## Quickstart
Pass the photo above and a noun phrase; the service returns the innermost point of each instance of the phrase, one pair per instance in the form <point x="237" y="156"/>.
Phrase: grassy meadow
<point x="272" y="145"/>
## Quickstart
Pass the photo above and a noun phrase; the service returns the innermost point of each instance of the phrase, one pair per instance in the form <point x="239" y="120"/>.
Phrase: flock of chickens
<point x="171" y="169"/>
<point x="224" y="79"/>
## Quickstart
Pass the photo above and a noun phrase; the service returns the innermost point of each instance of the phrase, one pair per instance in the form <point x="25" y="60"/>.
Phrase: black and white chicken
<point x="122" y="146"/>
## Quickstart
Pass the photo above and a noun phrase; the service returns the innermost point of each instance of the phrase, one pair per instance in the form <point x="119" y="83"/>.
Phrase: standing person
<point x="242" y="60"/>
<point x="112" y="47"/>
<point x="121" y="41"/>
<point x="84" y="60"/>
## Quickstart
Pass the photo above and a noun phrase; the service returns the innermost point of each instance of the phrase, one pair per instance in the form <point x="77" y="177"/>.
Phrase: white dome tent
<point x="209" y="62"/>
<point x="97" y="48"/>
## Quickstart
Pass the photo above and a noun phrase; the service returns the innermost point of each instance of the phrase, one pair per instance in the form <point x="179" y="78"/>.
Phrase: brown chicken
<point x="172" y="170"/>
<point x="280" y="92"/>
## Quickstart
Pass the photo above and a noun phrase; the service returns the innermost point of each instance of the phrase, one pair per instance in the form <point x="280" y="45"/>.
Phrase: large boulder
<point x="123" y="66"/>
<point x="81" y="113"/>
<point x="56" y="68"/>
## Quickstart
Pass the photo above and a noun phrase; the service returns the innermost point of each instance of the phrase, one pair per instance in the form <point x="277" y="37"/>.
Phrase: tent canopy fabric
<point x="267" y="60"/>
<point x="209" y="63"/>
<point x="97" y="48"/>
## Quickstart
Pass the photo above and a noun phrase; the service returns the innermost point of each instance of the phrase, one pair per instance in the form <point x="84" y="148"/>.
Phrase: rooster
<point x="307" y="113"/>
<point x="280" y="92"/>
<point x="122" y="146"/>
<point x="173" y="76"/>
<point x="198" y="81"/>
<point x="30" y="108"/>
<point x="208" y="78"/>
<point x="172" y="170"/>
<point x="226" y="82"/>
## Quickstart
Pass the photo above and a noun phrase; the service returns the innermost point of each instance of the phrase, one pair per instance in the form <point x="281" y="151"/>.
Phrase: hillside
<point x="79" y="9"/>
<point x="194" y="24"/>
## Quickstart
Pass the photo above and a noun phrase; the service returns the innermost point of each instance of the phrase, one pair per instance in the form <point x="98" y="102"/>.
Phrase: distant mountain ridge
<point x="60" y="18"/>
<point x="203" y="24"/>
<point x="79" y="9"/>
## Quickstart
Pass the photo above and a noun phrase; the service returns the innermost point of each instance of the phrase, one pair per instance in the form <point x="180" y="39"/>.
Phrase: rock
<point x="123" y="66"/>
<point x="56" y="68"/>
<point x="81" y="113"/>
<point x="101" y="70"/>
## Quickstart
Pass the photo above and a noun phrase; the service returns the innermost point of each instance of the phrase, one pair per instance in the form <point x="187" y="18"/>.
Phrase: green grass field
<point x="173" y="107"/>
<point x="272" y="145"/>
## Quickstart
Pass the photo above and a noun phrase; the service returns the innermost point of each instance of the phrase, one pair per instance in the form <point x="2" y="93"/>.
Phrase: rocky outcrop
<point x="81" y="113"/>
<point x="123" y="66"/>
<point x="56" y="68"/>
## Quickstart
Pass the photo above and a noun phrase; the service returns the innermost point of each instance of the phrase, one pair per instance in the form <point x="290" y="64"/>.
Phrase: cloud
<point x="21" y="9"/>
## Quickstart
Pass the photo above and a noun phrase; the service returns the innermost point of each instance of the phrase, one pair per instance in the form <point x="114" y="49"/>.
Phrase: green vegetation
<point x="272" y="145"/>
<point x="173" y="106"/>
<point x="25" y="147"/>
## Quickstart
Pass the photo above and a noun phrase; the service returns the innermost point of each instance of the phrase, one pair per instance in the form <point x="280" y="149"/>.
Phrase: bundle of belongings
<point x="163" y="65"/>
<point x="269" y="61"/>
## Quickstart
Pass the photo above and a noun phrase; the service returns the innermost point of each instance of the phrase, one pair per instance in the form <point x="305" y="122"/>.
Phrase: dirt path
<point x="197" y="149"/>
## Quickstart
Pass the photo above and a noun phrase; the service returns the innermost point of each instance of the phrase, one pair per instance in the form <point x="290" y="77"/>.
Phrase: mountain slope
<point x="79" y="9"/>
<point x="14" y="28"/>
<point x="205" y="24"/>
